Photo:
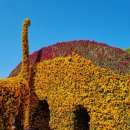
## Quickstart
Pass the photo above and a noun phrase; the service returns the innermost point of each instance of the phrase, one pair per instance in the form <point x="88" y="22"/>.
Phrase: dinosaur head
<point x="26" y="22"/>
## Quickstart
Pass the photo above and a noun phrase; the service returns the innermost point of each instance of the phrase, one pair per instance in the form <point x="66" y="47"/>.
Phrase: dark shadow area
<point x="41" y="116"/>
<point x="38" y="58"/>
<point x="18" y="119"/>
<point x="81" y="118"/>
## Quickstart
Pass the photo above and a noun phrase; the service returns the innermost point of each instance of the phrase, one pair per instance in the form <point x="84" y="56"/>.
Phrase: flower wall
<point x="74" y="85"/>
<point x="72" y="82"/>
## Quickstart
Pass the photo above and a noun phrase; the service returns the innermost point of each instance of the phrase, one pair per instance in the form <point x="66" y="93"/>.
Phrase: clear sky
<point x="52" y="21"/>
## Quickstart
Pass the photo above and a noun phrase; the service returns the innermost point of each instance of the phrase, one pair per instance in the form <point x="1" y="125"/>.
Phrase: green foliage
<point x="128" y="50"/>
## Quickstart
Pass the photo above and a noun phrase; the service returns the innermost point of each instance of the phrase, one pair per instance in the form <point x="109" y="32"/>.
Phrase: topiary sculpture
<point x="71" y="93"/>
<point x="15" y="92"/>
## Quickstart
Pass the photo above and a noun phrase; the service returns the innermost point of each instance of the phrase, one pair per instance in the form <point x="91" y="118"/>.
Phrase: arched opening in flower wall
<point x="41" y="116"/>
<point x="81" y="118"/>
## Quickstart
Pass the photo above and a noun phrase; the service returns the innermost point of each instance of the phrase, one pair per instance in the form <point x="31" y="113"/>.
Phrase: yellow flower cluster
<point x="25" y="48"/>
<point x="67" y="82"/>
<point x="14" y="94"/>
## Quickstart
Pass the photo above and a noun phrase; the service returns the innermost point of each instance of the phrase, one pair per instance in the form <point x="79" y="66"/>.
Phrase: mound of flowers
<point x="100" y="54"/>
<point x="72" y="84"/>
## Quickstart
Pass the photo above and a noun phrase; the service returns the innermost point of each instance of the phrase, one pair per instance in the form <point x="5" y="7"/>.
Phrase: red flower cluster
<point x="100" y="54"/>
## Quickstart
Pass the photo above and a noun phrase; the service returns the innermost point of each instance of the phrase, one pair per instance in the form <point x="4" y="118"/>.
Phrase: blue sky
<point x="52" y="21"/>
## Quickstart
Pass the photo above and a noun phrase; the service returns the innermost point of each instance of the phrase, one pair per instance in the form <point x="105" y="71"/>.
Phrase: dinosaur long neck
<point x="25" y="50"/>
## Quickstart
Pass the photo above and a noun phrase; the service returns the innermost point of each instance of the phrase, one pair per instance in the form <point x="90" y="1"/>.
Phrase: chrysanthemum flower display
<point x="77" y="85"/>
<point x="68" y="82"/>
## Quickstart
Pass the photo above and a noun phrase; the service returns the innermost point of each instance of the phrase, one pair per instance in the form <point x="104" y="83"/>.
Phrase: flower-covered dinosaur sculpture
<point x="66" y="93"/>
